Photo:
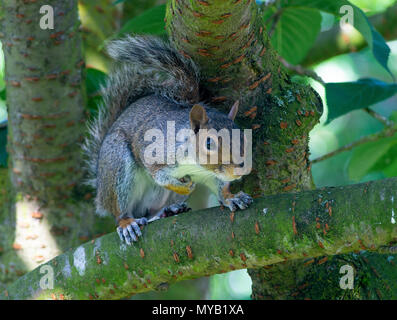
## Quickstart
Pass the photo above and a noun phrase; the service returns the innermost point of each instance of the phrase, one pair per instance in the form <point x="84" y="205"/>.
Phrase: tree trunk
<point x="228" y="41"/>
<point x="45" y="98"/>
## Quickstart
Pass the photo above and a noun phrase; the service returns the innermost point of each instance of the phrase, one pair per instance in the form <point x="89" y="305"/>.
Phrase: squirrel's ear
<point x="233" y="111"/>
<point x="198" y="117"/>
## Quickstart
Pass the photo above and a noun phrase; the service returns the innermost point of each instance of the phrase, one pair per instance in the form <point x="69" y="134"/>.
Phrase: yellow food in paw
<point x="184" y="190"/>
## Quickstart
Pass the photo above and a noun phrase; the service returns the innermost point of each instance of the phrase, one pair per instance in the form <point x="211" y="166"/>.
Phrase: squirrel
<point x="151" y="85"/>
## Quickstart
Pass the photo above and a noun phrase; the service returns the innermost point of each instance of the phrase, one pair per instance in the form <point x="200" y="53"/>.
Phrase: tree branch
<point x="298" y="69"/>
<point x="386" y="122"/>
<point x="274" y="229"/>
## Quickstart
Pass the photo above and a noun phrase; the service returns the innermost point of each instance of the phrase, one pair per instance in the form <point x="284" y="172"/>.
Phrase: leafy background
<point x="353" y="81"/>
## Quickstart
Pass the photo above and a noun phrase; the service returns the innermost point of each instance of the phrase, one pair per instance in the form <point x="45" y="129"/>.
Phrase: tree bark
<point x="46" y="121"/>
<point x="229" y="43"/>
<point x="274" y="229"/>
<point x="45" y="98"/>
<point x="228" y="40"/>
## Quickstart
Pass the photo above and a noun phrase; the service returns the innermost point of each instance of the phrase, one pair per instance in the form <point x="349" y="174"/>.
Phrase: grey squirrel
<point x="152" y="85"/>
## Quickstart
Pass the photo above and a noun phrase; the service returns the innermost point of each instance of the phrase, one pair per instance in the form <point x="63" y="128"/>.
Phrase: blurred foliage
<point x="3" y="112"/>
<point x="149" y="22"/>
<point x="364" y="157"/>
<point x="368" y="6"/>
<point x="100" y="19"/>
<point x="133" y="8"/>
<point x="295" y="30"/>
<point x="361" y="23"/>
<point x="3" y="142"/>
<point x="231" y="286"/>
<point x="371" y="161"/>
<point x="94" y="80"/>
<point x="372" y="6"/>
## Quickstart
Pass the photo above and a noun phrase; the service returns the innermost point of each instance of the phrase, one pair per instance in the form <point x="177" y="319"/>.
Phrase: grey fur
<point x="152" y="84"/>
<point x="147" y="65"/>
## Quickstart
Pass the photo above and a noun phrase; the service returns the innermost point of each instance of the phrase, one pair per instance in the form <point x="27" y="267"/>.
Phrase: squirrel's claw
<point x="170" y="211"/>
<point x="174" y="209"/>
<point x="240" y="200"/>
<point x="129" y="235"/>
<point x="137" y="230"/>
<point x="129" y="231"/>
<point x="120" y="233"/>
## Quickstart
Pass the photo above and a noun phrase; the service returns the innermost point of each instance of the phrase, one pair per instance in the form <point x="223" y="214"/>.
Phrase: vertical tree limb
<point x="45" y="98"/>
<point x="228" y="40"/>
<point x="44" y="75"/>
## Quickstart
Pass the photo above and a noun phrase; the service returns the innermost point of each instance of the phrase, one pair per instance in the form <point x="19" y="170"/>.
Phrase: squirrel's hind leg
<point x="129" y="229"/>
<point x="117" y="177"/>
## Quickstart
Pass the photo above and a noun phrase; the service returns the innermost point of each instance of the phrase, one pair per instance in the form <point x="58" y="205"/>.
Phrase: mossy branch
<point x="274" y="229"/>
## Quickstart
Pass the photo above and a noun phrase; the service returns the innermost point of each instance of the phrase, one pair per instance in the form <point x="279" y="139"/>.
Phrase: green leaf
<point x="387" y="163"/>
<point x="149" y="22"/>
<point x="367" y="155"/>
<point x="344" y="97"/>
<point x="3" y="94"/>
<point x="94" y="79"/>
<point x="3" y="151"/>
<point x="393" y="116"/>
<point x="372" y="176"/>
<point x="380" y="49"/>
<point x="295" y="32"/>
<point x="391" y="170"/>
<point x="93" y="105"/>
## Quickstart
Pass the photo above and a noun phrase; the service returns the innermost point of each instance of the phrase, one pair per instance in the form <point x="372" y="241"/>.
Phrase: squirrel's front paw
<point x="129" y="230"/>
<point x="240" y="200"/>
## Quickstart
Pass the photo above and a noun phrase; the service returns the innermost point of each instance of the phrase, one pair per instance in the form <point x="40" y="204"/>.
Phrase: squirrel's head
<point x="221" y="147"/>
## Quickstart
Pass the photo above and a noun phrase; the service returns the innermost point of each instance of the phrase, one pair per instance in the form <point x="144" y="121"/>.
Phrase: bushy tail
<point x="147" y="65"/>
